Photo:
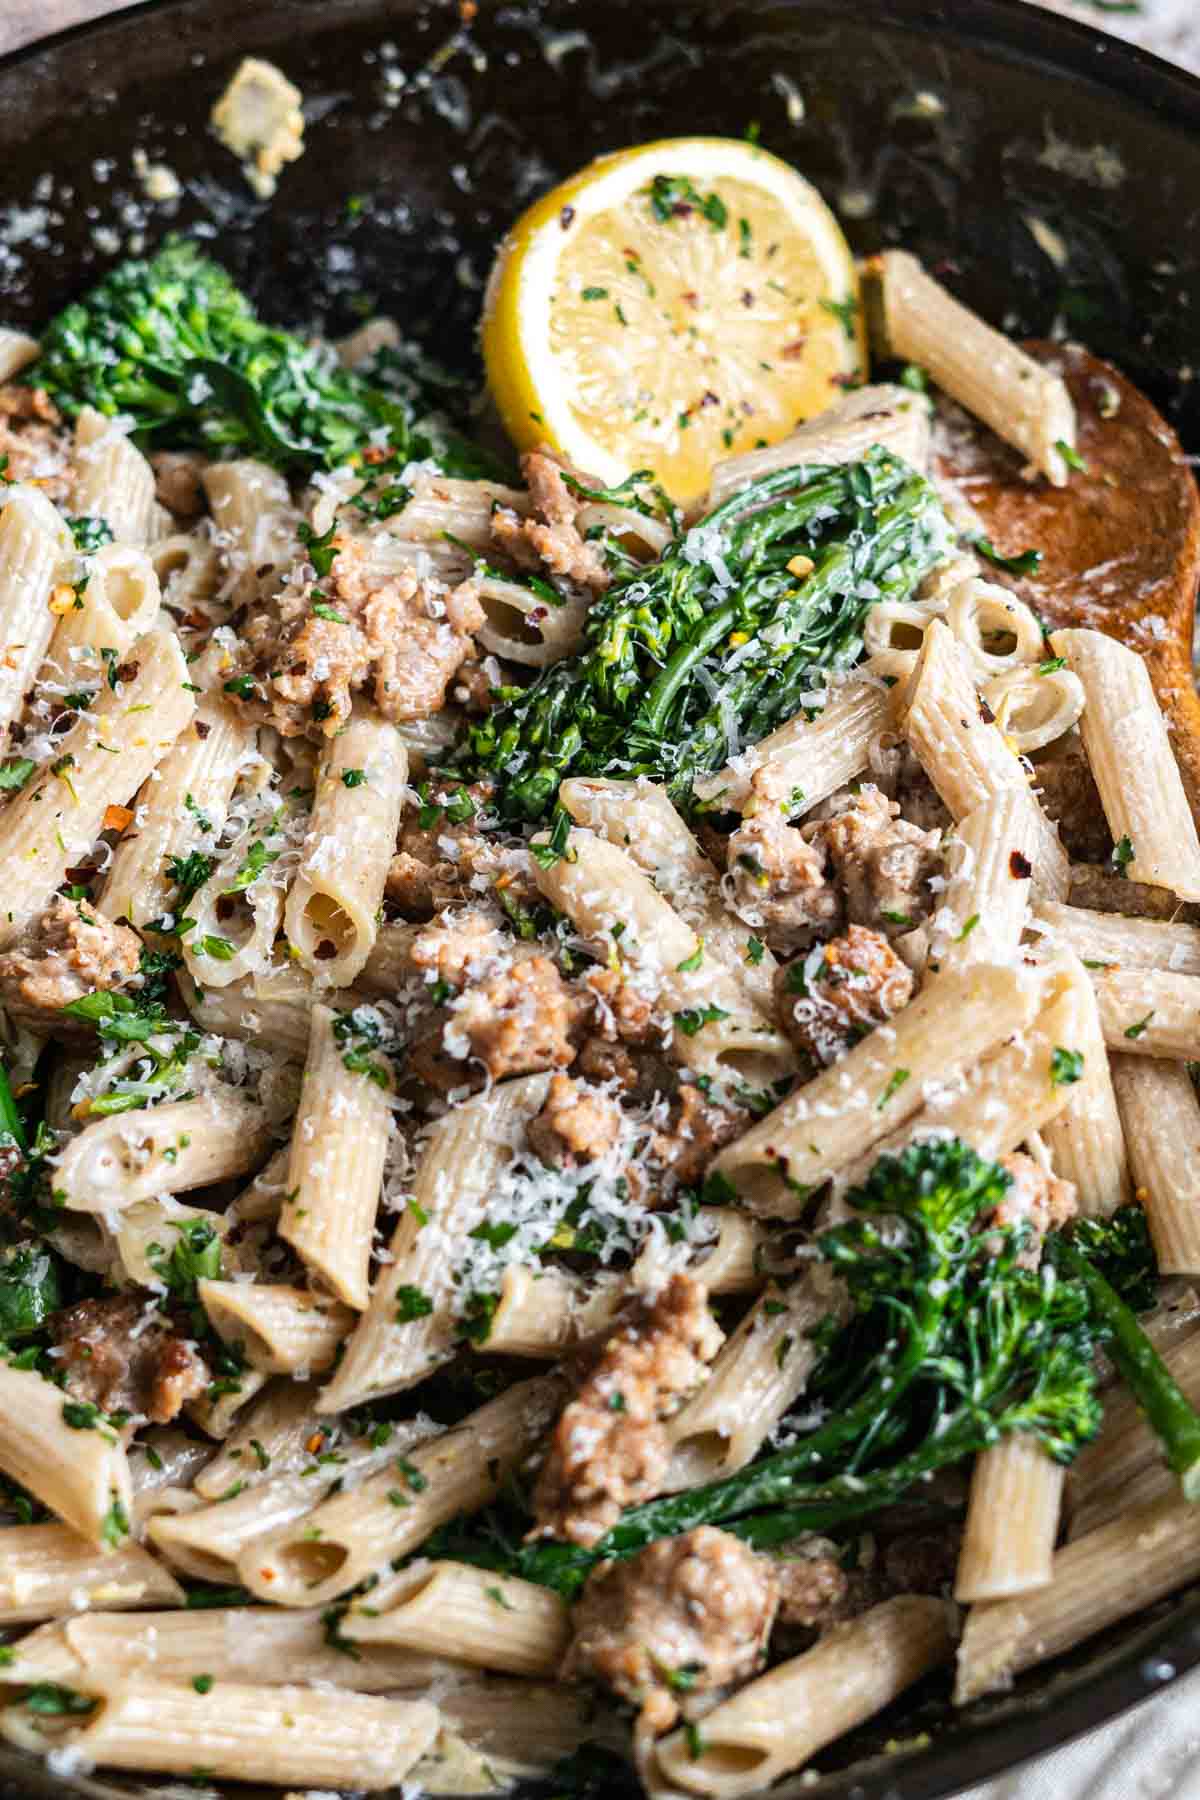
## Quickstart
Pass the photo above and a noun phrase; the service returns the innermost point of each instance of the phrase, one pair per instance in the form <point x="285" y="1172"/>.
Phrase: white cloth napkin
<point x="1152" y="1752"/>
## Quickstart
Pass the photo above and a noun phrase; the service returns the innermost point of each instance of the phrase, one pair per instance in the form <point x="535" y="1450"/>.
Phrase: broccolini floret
<point x="721" y="640"/>
<point x="173" y="344"/>
<point x="952" y="1345"/>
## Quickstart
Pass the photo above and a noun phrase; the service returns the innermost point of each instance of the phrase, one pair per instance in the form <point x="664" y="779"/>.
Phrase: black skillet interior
<point x="1049" y="175"/>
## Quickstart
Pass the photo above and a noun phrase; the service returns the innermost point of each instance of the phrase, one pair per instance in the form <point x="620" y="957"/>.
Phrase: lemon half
<point x="669" y="306"/>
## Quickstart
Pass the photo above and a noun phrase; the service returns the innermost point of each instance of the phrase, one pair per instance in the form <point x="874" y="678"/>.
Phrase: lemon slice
<point x="671" y="305"/>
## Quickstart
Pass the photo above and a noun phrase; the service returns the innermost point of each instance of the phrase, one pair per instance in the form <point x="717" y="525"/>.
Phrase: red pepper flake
<point x="116" y="818"/>
<point x="375" y="453"/>
<point x="1020" y="866"/>
<point x="566" y="217"/>
<point x="468" y="11"/>
<point x="793" y="351"/>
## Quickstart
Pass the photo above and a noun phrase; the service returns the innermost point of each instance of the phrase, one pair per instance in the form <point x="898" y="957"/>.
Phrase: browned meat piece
<point x="517" y="1022"/>
<point x="697" y="1608"/>
<point x="779" y="882"/>
<point x="455" y="946"/>
<point x="1036" y="1199"/>
<point x="601" y="1061"/>
<point x="828" y="1000"/>
<point x="122" y="1364"/>
<point x="1063" y="782"/>
<point x="1101" y="889"/>
<point x="473" y="688"/>
<point x="696" y="1131"/>
<point x="177" y="482"/>
<point x="623" y="1013"/>
<point x="397" y="637"/>
<point x="813" y="1591"/>
<point x="35" y="441"/>
<point x="576" y="1124"/>
<point x="436" y="867"/>
<point x="609" y="1448"/>
<point x="550" y="538"/>
<point x="882" y="862"/>
<point x="70" y="951"/>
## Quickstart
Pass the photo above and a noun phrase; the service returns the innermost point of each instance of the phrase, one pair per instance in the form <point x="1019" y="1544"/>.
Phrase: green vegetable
<point x="1027" y="562"/>
<point x="29" y="1290"/>
<point x="1066" y="1066"/>
<point x="677" y="659"/>
<point x="16" y="774"/>
<point x="951" y="1346"/>
<point x="195" y="1256"/>
<point x="90" y="533"/>
<point x="189" y="873"/>
<point x="172" y="343"/>
<point x="1167" y="1408"/>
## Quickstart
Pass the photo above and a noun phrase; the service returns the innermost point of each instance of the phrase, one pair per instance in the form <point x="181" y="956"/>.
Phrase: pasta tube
<point x="775" y="1724"/>
<point x="639" y="818"/>
<point x="718" y="1031"/>
<point x="1025" y="404"/>
<point x="409" y="1325"/>
<point x="806" y="760"/>
<point x="164" y="1149"/>
<point x="472" y="1615"/>
<point x="287" y="1736"/>
<point x="50" y="1569"/>
<point x="335" y="1169"/>
<point x="1129" y="751"/>
<point x="877" y="1086"/>
<point x="104" y="758"/>
<point x="353" y="1535"/>
<point x="337" y="894"/>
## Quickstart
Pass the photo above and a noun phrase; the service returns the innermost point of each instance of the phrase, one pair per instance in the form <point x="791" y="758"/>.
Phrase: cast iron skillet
<point x="951" y="126"/>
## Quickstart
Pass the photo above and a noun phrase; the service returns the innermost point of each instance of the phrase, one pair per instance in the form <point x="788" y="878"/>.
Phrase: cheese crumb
<point x="258" y="118"/>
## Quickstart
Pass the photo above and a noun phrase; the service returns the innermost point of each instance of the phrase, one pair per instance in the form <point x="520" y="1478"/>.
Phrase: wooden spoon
<point x="1120" y="544"/>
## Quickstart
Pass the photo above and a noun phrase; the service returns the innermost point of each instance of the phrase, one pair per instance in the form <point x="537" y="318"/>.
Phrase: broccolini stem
<point x="1154" y="1387"/>
<point x="11" y="1124"/>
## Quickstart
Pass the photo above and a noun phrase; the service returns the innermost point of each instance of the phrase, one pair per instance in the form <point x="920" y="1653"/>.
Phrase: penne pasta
<point x="1161" y="1118"/>
<point x="280" y="1330"/>
<point x="1024" y="402"/>
<point x="1129" y="751"/>
<point x="775" y="1724"/>
<point x="171" y="1148"/>
<point x="964" y="753"/>
<point x="410" y="1326"/>
<point x="639" y="818"/>
<point x="718" y="1031"/>
<point x="113" y="480"/>
<point x="46" y="1570"/>
<point x="877" y="1086"/>
<point x="330" y="917"/>
<point x="809" y="758"/>
<point x="240" y="1732"/>
<point x="470" y="1615"/>
<point x="102" y="760"/>
<point x="339" y="1141"/>
<point x="353" y="1535"/>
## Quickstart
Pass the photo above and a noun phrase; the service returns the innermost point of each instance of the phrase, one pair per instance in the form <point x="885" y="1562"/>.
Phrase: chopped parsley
<point x="411" y="1303"/>
<point x="693" y="1019"/>
<point x="895" y="1083"/>
<point x="1135" y="1031"/>
<point x="676" y="196"/>
<point x="1066" y="1066"/>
